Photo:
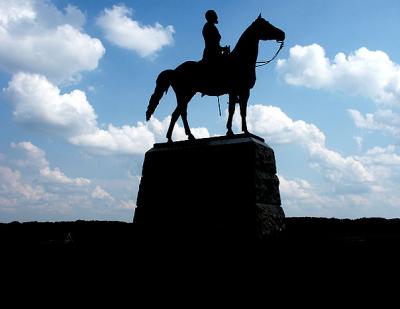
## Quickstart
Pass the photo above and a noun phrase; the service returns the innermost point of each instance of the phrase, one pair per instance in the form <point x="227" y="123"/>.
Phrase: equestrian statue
<point x="220" y="72"/>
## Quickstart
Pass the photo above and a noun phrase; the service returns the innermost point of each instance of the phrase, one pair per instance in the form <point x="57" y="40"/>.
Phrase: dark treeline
<point x="303" y="230"/>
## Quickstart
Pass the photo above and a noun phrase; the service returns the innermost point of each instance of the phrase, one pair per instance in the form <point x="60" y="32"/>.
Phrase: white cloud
<point x="12" y="185"/>
<point x="367" y="73"/>
<point x="354" y="186"/>
<point x="306" y="66"/>
<point x="386" y="156"/>
<point x="120" y="29"/>
<point x="348" y="197"/>
<point x="300" y="198"/>
<point x="277" y="128"/>
<point x="132" y="139"/>
<point x="384" y="120"/>
<point x="16" y="10"/>
<point x="57" y="176"/>
<point x="359" y="141"/>
<point x="299" y="188"/>
<point x="36" y="157"/>
<point x="47" y="41"/>
<point x="344" y="172"/>
<point x="128" y="204"/>
<point x="100" y="193"/>
<point x="37" y="190"/>
<point x="116" y="140"/>
<point x="40" y="105"/>
<point x="273" y="123"/>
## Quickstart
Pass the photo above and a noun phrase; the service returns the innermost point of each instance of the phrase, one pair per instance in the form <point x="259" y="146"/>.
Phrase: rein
<point x="261" y="63"/>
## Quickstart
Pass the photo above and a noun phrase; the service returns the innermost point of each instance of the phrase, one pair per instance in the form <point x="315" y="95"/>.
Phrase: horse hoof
<point x="169" y="141"/>
<point x="229" y="133"/>
<point x="191" y="137"/>
<point x="148" y="116"/>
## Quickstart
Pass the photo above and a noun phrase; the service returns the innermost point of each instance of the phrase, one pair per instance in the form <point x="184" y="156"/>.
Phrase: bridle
<point x="261" y="63"/>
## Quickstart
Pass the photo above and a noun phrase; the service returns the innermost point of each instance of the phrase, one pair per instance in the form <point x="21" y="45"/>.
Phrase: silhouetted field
<point x="313" y="252"/>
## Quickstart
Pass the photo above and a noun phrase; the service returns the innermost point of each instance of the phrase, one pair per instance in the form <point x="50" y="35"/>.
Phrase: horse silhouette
<point x="234" y="74"/>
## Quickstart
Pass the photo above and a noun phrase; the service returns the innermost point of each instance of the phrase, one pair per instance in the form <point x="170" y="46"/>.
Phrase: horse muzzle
<point x="281" y="37"/>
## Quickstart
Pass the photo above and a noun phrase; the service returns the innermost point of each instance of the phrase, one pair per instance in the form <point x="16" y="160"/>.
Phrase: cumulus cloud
<point x="40" y="105"/>
<point x="128" y="205"/>
<point x="36" y="157"/>
<point x="120" y="29"/>
<point x="116" y="140"/>
<point x="272" y="122"/>
<point x="354" y="184"/>
<point x="295" y="189"/>
<point x="31" y="188"/>
<point x="300" y="198"/>
<point x="12" y="185"/>
<point x="16" y="10"/>
<point x="131" y="139"/>
<point x="100" y="193"/>
<point x="382" y="156"/>
<point x="384" y="120"/>
<point x="34" y="185"/>
<point x="278" y="128"/>
<point x="367" y="73"/>
<point x="47" y="41"/>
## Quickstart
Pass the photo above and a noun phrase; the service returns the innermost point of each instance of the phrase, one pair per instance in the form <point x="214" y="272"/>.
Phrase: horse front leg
<point x="231" y="110"/>
<point x="244" y="98"/>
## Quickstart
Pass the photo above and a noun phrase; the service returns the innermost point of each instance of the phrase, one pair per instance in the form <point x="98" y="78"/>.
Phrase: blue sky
<point x="76" y="77"/>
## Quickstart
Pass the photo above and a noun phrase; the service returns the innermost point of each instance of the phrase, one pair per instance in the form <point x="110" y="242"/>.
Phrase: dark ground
<point x="312" y="253"/>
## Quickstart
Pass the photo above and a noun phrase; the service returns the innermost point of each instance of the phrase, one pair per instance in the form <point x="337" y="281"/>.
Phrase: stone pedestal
<point x="215" y="187"/>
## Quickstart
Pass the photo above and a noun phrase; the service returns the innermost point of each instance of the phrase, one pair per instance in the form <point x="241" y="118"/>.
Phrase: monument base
<point x="220" y="187"/>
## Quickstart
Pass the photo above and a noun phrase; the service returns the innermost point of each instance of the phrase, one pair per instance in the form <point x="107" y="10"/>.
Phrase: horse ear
<point x="259" y="16"/>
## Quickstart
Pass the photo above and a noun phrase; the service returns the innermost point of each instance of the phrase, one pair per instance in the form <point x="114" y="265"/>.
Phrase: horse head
<point x="267" y="31"/>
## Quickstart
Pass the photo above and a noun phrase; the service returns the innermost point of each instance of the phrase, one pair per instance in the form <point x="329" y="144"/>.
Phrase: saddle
<point x="215" y="74"/>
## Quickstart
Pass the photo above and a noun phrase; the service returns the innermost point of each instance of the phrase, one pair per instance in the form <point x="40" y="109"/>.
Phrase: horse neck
<point x="246" y="48"/>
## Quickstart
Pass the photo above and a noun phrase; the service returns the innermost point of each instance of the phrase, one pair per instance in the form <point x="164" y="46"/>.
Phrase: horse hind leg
<point x="186" y="126"/>
<point x="180" y="110"/>
<point x="231" y="112"/>
<point x="174" y="117"/>
<point x="184" y="106"/>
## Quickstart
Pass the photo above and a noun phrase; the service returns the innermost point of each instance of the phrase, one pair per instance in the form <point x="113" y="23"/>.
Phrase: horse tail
<point x="163" y="82"/>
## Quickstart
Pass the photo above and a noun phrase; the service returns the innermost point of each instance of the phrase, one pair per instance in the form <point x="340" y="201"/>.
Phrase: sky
<point x="76" y="77"/>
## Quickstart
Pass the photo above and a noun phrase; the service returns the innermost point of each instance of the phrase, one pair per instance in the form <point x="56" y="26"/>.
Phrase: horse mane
<point x="243" y="39"/>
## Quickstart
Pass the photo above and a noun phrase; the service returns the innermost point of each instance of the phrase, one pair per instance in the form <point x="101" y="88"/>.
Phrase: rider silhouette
<point x="213" y="50"/>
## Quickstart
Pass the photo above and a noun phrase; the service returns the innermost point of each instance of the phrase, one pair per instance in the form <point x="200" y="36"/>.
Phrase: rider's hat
<point x="211" y="16"/>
